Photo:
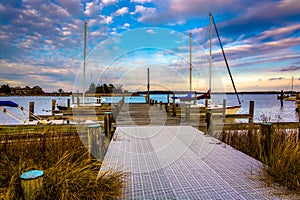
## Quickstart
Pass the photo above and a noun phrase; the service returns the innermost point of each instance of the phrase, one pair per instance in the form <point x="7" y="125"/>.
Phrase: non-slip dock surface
<point x="179" y="162"/>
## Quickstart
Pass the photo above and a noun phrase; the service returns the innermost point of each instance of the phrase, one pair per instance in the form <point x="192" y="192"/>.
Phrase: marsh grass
<point x="282" y="165"/>
<point x="69" y="170"/>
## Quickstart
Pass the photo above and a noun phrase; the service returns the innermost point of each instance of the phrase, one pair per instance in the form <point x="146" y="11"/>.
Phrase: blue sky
<point x="42" y="43"/>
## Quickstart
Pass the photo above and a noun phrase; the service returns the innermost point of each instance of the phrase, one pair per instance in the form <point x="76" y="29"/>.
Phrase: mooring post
<point x="73" y="99"/>
<point x="251" y="111"/>
<point x="187" y="113"/>
<point x="224" y="111"/>
<point x="94" y="132"/>
<point x="107" y="124"/>
<point x="266" y="134"/>
<point x="160" y="105"/>
<point x="174" y="107"/>
<point x="31" y="181"/>
<point x="68" y="103"/>
<point x="77" y="101"/>
<point x="31" y="111"/>
<point x="166" y="107"/>
<point x="281" y="98"/>
<point x="208" y="122"/>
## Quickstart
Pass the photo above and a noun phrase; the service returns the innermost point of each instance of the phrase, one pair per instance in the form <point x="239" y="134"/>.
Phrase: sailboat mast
<point x="292" y="85"/>
<point x="225" y="60"/>
<point x="84" y="58"/>
<point x="191" y="42"/>
<point x="210" y="51"/>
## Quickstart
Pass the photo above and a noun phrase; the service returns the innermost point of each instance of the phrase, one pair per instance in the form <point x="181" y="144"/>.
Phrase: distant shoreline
<point x="139" y="92"/>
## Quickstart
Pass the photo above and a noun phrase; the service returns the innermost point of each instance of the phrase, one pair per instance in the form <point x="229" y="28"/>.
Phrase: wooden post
<point x="208" y="122"/>
<point x="31" y="110"/>
<point x="206" y="103"/>
<point x="68" y="103"/>
<point x="266" y="135"/>
<point x="148" y="85"/>
<point x="251" y="111"/>
<point x="94" y="132"/>
<point x="31" y="181"/>
<point x="224" y="111"/>
<point x="187" y="113"/>
<point x="107" y="124"/>
<point x="281" y="98"/>
<point x="78" y="101"/>
<point x="174" y="107"/>
<point x="160" y="105"/>
<point x="73" y="102"/>
<point x="168" y="98"/>
<point x="166" y="107"/>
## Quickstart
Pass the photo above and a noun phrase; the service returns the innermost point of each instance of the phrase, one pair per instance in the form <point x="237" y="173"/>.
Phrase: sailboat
<point x="207" y="95"/>
<point x="84" y="104"/>
<point x="289" y="97"/>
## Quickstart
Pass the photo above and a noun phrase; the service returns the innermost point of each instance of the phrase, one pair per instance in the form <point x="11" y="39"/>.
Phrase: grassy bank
<point x="281" y="155"/>
<point x="69" y="170"/>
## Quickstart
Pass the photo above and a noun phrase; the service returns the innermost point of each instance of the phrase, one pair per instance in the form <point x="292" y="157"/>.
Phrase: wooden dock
<point x="165" y="158"/>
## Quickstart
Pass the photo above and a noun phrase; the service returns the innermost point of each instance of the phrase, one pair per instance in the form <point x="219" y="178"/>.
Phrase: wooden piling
<point x="208" y="122"/>
<point x="107" y="124"/>
<point x="266" y="135"/>
<point x="68" y="103"/>
<point x="31" y="181"/>
<point x="187" y="113"/>
<point x="251" y="111"/>
<point x="160" y="105"/>
<point x="31" y="111"/>
<point x="73" y="101"/>
<point x="94" y="138"/>
<point x="77" y="100"/>
<point x="281" y="98"/>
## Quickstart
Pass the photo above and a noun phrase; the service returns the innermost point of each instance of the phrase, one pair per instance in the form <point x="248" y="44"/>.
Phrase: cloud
<point x="109" y="2"/>
<point x="290" y="68"/>
<point x="125" y="26"/>
<point x="140" y="1"/>
<point x="145" y="12"/>
<point x="92" y="8"/>
<point x="107" y="20"/>
<point x="276" y="79"/>
<point x="121" y="11"/>
<point x="151" y="31"/>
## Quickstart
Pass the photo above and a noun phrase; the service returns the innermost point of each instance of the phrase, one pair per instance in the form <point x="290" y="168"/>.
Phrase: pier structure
<point x="164" y="157"/>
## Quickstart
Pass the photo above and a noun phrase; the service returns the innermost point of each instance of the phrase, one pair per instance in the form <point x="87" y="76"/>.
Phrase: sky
<point x="42" y="43"/>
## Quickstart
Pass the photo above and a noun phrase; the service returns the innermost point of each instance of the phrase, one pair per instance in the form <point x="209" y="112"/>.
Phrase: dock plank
<point x="180" y="162"/>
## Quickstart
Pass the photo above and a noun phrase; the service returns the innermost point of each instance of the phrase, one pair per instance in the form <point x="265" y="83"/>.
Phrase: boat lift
<point x="24" y="120"/>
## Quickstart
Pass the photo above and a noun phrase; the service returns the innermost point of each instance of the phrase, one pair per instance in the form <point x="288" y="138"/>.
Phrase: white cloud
<point x="151" y="31"/>
<point x="92" y="8"/>
<point x="121" y="11"/>
<point x="140" y="1"/>
<point x="144" y="11"/>
<point x="107" y="20"/>
<point x="125" y="26"/>
<point x="108" y="2"/>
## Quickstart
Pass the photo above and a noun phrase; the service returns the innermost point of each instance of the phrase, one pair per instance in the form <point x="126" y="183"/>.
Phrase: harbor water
<point x="266" y="108"/>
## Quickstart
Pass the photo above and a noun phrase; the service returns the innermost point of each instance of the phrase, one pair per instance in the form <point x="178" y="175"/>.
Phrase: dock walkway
<point x="180" y="162"/>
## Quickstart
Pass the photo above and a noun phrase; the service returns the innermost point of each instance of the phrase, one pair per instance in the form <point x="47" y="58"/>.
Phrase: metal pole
<point x="84" y="58"/>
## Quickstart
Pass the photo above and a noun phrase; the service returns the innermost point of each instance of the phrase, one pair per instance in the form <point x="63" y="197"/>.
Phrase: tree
<point x="92" y="88"/>
<point x="5" y="89"/>
<point x="60" y="91"/>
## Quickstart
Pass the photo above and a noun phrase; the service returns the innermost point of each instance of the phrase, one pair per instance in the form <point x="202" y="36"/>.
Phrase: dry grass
<point x="69" y="170"/>
<point x="282" y="165"/>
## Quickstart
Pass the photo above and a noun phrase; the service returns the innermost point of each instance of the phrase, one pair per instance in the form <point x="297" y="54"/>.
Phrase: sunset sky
<point x="42" y="43"/>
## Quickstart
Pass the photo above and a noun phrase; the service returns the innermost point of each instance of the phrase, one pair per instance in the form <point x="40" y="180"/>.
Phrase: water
<point x="266" y="106"/>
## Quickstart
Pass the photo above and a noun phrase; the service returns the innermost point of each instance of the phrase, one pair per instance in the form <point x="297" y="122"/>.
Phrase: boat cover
<point x="8" y="103"/>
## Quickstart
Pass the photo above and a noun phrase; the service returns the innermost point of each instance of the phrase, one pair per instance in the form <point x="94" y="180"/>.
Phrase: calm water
<point x="266" y="106"/>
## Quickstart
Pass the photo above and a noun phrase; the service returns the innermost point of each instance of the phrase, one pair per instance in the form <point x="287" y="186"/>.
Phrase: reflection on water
<point x="266" y="105"/>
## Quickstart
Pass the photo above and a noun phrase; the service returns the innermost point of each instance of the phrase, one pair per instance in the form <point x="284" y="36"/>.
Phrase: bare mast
<point x="84" y="58"/>
<point x="210" y="51"/>
<point x="212" y="19"/>
<point x="191" y="61"/>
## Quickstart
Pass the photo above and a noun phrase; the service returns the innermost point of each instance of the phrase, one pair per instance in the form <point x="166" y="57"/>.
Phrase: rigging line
<point x="226" y="60"/>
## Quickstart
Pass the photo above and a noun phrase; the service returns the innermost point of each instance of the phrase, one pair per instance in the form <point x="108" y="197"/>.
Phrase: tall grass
<point x="282" y="165"/>
<point x="69" y="170"/>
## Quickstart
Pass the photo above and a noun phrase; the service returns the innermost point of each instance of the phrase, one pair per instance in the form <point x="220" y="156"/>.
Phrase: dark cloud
<point x="290" y="68"/>
<point x="274" y="79"/>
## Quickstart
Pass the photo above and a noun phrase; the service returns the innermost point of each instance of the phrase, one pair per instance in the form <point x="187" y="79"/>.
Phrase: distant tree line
<point x="7" y="90"/>
<point x="104" y="89"/>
